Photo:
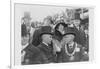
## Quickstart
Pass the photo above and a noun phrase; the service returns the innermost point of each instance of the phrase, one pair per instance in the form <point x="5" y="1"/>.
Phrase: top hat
<point x="69" y="31"/>
<point x="46" y="30"/>
<point x="77" y="16"/>
<point x="26" y="15"/>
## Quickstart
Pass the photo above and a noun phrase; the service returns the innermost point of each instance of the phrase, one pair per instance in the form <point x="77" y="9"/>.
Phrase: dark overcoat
<point x="36" y="38"/>
<point x="50" y="57"/>
<point x="33" y="55"/>
<point x="23" y="30"/>
<point x="80" y="36"/>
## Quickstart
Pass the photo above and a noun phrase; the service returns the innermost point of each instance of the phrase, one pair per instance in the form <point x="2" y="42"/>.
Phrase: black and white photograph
<point x="51" y="34"/>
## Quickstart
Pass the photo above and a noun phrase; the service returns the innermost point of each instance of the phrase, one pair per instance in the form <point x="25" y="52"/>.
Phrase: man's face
<point x="77" y="22"/>
<point x="86" y="31"/>
<point x="24" y="40"/>
<point x="26" y="20"/>
<point x="68" y="38"/>
<point x="47" y="38"/>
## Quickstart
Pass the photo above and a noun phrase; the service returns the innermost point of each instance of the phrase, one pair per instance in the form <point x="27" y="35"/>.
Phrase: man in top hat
<point x="36" y="36"/>
<point x="24" y="40"/>
<point x="26" y="20"/>
<point x="30" y="54"/>
<point x="71" y="51"/>
<point x="46" y="45"/>
<point x="77" y="26"/>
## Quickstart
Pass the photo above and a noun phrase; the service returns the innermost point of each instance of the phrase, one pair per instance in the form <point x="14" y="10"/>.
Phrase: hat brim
<point x="27" y="18"/>
<point x="63" y="24"/>
<point x="69" y="34"/>
<point x="46" y="33"/>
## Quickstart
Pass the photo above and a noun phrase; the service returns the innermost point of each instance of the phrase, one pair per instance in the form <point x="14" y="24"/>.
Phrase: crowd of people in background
<point x="59" y="38"/>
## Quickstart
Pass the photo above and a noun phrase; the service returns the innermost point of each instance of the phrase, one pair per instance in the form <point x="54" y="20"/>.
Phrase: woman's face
<point x="61" y="27"/>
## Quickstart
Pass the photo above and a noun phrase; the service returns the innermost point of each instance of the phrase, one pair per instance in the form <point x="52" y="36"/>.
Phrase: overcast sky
<point x="38" y="12"/>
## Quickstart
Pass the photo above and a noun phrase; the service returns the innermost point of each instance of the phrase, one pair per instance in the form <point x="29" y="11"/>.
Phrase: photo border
<point x="91" y="31"/>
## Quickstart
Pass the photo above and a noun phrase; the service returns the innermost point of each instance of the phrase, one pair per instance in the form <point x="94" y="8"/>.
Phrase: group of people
<point x="55" y="43"/>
